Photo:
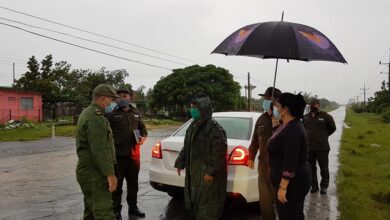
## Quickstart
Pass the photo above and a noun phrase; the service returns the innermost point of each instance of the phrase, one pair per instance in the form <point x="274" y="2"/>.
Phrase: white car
<point x="242" y="181"/>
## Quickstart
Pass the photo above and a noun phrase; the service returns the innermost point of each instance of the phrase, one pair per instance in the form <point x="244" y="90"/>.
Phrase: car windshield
<point x="236" y="128"/>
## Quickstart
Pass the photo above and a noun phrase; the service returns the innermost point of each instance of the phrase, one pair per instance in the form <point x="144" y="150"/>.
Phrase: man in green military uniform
<point x="265" y="126"/>
<point x="319" y="126"/>
<point x="129" y="133"/>
<point x="204" y="158"/>
<point x="96" y="155"/>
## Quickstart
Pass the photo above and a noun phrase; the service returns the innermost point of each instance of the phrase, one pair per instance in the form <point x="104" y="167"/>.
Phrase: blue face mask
<point x="267" y="105"/>
<point x="123" y="103"/>
<point x="110" y="108"/>
<point x="276" y="113"/>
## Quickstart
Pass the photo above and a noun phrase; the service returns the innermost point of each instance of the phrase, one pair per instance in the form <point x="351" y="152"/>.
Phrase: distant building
<point x="17" y="104"/>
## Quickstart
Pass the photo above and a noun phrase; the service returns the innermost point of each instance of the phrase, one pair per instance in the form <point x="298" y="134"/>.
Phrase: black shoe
<point x="136" y="212"/>
<point x="314" y="190"/>
<point x="323" y="191"/>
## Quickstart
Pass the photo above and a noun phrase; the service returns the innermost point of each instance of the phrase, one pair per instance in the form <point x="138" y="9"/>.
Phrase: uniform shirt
<point x="288" y="148"/>
<point x="123" y="125"/>
<point x="95" y="145"/>
<point x="263" y="131"/>
<point x="319" y="128"/>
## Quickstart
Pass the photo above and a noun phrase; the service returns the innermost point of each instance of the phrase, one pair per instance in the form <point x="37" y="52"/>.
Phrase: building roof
<point x="15" y="90"/>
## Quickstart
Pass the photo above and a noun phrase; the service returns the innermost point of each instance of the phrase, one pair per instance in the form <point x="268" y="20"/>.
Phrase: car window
<point x="236" y="128"/>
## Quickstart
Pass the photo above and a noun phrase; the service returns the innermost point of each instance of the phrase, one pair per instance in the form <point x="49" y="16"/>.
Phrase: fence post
<point x="10" y="114"/>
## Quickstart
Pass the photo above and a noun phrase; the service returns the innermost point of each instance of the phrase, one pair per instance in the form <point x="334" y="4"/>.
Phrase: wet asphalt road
<point x="37" y="181"/>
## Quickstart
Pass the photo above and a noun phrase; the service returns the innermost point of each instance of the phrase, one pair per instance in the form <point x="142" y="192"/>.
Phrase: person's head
<point x="269" y="96"/>
<point x="290" y="105"/>
<point x="125" y="98"/>
<point x="105" y="96"/>
<point x="314" y="105"/>
<point x="201" y="106"/>
<point x="124" y="93"/>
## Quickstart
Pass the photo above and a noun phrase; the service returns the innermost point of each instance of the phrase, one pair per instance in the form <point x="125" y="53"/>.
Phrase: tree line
<point x="60" y="84"/>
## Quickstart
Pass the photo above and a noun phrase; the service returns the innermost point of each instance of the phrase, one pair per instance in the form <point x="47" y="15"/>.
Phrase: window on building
<point x="26" y="103"/>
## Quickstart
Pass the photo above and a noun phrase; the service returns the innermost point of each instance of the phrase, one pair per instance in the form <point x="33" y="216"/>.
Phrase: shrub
<point x="386" y="117"/>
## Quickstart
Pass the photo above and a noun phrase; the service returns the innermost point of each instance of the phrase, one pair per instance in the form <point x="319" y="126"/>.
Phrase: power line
<point x="107" y="37"/>
<point x="96" y="34"/>
<point x="89" y="40"/>
<point x="85" y="48"/>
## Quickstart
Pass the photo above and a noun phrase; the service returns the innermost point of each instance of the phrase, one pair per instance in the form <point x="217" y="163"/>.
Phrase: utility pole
<point x="388" y="64"/>
<point x="249" y="88"/>
<point x="249" y="92"/>
<point x="13" y="72"/>
<point x="357" y="98"/>
<point x="364" y="89"/>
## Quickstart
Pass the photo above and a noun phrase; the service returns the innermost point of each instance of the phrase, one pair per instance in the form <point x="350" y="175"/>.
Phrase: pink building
<point x="16" y="104"/>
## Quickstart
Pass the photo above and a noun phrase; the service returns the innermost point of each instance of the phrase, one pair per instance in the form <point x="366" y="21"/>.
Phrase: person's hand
<point x="251" y="164"/>
<point x="178" y="171"/>
<point x="142" y="140"/>
<point x="282" y="195"/>
<point x="112" y="183"/>
<point x="208" y="179"/>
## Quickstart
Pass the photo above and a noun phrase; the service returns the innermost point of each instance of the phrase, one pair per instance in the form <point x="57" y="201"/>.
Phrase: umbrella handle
<point x="276" y="72"/>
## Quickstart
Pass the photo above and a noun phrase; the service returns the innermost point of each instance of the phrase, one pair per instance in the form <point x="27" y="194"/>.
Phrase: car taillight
<point x="156" y="151"/>
<point x="239" y="156"/>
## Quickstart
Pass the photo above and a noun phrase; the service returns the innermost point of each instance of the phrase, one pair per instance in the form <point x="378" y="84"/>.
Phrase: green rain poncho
<point x="204" y="152"/>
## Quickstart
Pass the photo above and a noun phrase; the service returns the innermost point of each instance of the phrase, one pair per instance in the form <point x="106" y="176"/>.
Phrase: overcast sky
<point x="193" y="28"/>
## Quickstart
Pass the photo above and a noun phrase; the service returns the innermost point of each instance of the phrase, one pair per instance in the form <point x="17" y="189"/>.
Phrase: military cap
<point x="123" y="90"/>
<point x="105" y="90"/>
<point x="314" y="101"/>
<point x="268" y="93"/>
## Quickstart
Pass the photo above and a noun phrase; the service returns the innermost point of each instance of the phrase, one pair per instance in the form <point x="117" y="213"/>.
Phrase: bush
<point x="381" y="108"/>
<point x="386" y="117"/>
<point x="358" y="108"/>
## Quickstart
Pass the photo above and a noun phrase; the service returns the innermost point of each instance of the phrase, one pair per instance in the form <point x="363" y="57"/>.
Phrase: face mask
<point x="195" y="113"/>
<point x="276" y="113"/>
<point x="110" y="107"/>
<point x="267" y="105"/>
<point x="314" y="109"/>
<point x="123" y="103"/>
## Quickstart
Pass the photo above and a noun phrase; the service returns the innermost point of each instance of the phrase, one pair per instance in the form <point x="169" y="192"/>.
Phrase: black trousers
<point x="296" y="192"/>
<point x="322" y="157"/>
<point x="127" y="168"/>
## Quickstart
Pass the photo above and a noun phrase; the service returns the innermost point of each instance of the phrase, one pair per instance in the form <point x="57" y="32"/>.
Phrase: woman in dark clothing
<point x="288" y="152"/>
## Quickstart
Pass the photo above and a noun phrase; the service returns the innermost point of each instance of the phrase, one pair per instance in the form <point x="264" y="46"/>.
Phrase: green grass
<point x="363" y="179"/>
<point x="43" y="130"/>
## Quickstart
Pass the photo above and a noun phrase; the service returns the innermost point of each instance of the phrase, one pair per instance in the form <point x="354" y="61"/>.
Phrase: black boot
<point x="136" y="212"/>
<point x="323" y="191"/>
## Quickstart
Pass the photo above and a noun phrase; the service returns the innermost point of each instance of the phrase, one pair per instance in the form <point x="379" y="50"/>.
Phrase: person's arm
<point x="330" y="124"/>
<point x="254" y="146"/>
<point x="97" y="136"/>
<point x="217" y="158"/>
<point x="180" y="160"/>
<point x="143" y="131"/>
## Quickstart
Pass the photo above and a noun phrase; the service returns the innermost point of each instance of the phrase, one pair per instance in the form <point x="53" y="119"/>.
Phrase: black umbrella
<point x="280" y="40"/>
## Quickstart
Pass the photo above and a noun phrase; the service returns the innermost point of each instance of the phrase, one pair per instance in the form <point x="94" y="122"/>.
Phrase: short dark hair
<point x="296" y="104"/>
<point x="198" y="96"/>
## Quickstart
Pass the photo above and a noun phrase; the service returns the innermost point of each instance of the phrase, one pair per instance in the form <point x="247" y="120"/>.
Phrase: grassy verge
<point x="43" y="130"/>
<point x="35" y="133"/>
<point x="364" y="175"/>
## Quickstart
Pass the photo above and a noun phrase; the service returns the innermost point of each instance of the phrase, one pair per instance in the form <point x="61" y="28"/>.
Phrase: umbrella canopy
<point x="280" y="40"/>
